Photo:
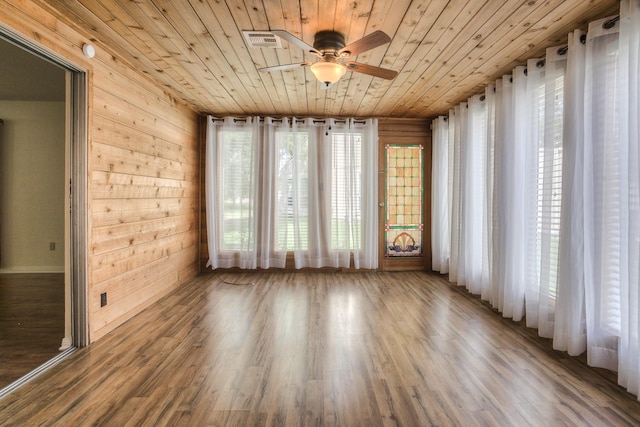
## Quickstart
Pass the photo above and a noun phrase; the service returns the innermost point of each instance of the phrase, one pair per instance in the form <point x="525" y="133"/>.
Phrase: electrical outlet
<point x="52" y="246"/>
<point x="103" y="299"/>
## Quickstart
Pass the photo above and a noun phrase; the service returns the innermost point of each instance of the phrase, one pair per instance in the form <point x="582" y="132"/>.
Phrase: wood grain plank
<point x="132" y="120"/>
<point x="450" y="22"/>
<point x="230" y="62"/>
<point x="167" y="47"/>
<point x="128" y="191"/>
<point x="214" y="353"/>
<point x="522" y="48"/>
<point x="120" y="211"/>
<point x="445" y="50"/>
<point x="112" y="132"/>
<point x="107" y="266"/>
<point x="357" y="86"/>
<point x="134" y="291"/>
<point x="145" y="95"/>
<point x="118" y="160"/>
<point x="106" y="239"/>
<point x="126" y="112"/>
<point x="31" y="322"/>
<point x="106" y="27"/>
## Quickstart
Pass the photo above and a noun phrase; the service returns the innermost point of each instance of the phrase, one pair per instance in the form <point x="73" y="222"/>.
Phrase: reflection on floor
<point x="31" y="322"/>
<point x="258" y="348"/>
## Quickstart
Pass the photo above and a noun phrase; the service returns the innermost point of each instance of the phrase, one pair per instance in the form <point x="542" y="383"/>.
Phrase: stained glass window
<point x="403" y="215"/>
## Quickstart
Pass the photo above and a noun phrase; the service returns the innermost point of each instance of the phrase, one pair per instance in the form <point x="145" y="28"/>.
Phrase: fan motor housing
<point x="328" y="41"/>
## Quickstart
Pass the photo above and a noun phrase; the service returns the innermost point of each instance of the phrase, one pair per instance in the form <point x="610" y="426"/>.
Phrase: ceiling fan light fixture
<point x="328" y="72"/>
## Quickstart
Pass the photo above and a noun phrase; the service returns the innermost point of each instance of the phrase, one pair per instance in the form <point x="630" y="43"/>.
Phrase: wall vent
<point x="262" y="39"/>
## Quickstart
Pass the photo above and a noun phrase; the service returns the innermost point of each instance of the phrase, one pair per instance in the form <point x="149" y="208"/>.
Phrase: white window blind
<point x="550" y="104"/>
<point x="236" y="154"/>
<point x="300" y="186"/>
<point x="293" y="196"/>
<point x="346" y="173"/>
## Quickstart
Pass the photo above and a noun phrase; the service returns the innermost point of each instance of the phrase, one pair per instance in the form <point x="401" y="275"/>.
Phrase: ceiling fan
<point x="329" y="46"/>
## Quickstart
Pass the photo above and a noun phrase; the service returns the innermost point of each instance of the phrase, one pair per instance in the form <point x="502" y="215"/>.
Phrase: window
<point x="403" y="219"/>
<point x="292" y="180"/>
<point x="346" y="173"/>
<point x="344" y="203"/>
<point x="549" y="104"/>
<point x="235" y="186"/>
<point x="291" y="186"/>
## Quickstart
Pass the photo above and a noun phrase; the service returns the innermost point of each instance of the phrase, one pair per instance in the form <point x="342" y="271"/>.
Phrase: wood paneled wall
<point x="143" y="174"/>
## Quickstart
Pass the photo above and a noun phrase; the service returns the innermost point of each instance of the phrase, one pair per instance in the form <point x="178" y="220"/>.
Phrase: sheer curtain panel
<point x="545" y="93"/>
<point x="473" y="202"/>
<point x="459" y="208"/>
<point x="491" y="290"/>
<point x="570" y="319"/>
<point x="511" y="202"/>
<point x="604" y="170"/>
<point x="559" y="190"/>
<point x="455" y="134"/>
<point x="629" y="57"/>
<point x="360" y="192"/>
<point x="301" y="186"/>
<point x="231" y="192"/>
<point x="440" y="196"/>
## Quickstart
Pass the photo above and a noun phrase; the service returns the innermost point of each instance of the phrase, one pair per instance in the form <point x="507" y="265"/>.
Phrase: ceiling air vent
<point x="262" y="39"/>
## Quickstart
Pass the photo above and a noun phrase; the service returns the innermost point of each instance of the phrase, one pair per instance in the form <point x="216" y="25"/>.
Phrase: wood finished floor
<point x="317" y="349"/>
<point x="31" y="322"/>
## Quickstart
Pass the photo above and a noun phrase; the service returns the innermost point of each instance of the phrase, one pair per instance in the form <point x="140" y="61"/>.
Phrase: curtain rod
<point x="607" y="25"/>
<point x="315" y="121"/>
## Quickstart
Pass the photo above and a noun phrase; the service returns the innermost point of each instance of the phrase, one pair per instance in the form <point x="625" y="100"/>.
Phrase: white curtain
<point x="440" y="195"/>
<point x="490" y="291"/>
<point x="452" y="158"/>
<point x="302" y="186"/>
<point x="629" y="66"/>
<point x="511" y="202"/>
<point x="545" y="94"/>
<point x="502" y="103"/>
<point x="236" y="183"/>
<point x="268" y="177"/>
<point x="570" y="319"/>
<point x="472" y="212"/>
<point x="459" y="208"/>
<point x="364" y="245"/>
<point x="604" y="214"/>
<point x="560" y="196"/>
<point x="455" y="134"/>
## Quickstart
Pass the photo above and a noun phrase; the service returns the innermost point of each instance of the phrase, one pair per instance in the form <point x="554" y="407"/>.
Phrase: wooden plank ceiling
<point x="444" y="51"/>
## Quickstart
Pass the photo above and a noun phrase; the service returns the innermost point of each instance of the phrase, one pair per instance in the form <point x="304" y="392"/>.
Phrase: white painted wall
<point x="32" y="186"/>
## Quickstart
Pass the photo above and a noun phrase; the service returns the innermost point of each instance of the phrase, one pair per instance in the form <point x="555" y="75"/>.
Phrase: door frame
<point x="76" y="241"/>
<point x="78" y="228"/>
<point x="404" y="131"/>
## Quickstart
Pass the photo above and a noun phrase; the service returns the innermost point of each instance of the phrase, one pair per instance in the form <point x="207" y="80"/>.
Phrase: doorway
<point x="42" y="146"/>
<point x="404" y="157"/>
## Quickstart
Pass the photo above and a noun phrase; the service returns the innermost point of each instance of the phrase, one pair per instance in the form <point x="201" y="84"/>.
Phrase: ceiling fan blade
<point x="371" y="70"/>
<point x="285" y="35"/>
<point x="284" y="67"/>
<point x="375" y="39"/>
